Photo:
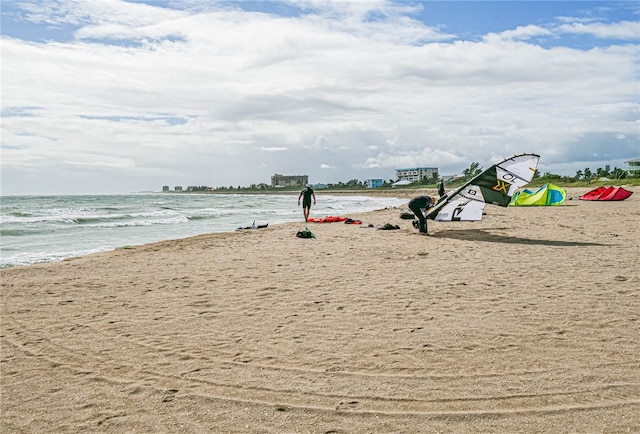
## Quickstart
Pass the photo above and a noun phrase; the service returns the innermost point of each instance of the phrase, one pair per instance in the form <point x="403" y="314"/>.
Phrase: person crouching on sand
<point x="417" y="205"/>
<point x="306" y="196"/>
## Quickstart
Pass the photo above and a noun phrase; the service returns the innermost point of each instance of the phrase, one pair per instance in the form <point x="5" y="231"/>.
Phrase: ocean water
<point x="37" y="229"/>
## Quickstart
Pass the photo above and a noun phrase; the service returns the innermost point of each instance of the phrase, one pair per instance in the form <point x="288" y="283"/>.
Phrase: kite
<point x="494" y="186"/>
<point x="607" y="193"/>
<point x="547" y="195"/>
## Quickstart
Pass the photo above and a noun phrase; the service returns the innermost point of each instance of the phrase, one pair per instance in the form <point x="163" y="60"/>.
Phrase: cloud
<point x="213" y="95"/>
<point x="627" y="30"/>
<point x="519" y="33"/>
<point x="83" y="13"/>
<point x="272" y="148"/>
<point x="425" y="157"/>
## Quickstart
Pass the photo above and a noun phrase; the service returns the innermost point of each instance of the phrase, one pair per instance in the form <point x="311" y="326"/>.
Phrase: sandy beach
<point x="528" y="321"/>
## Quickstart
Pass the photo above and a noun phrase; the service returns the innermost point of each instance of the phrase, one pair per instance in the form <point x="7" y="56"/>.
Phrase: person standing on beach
<point x="441" y="187"/>
<point x="417" y="205"/>
<point x="306" y="196"/>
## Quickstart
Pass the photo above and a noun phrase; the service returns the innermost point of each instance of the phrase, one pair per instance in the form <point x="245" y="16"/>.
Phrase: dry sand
<point x="528" y="321"/>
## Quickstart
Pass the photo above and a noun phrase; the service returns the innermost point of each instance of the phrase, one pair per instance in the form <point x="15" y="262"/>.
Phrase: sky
<point x="115" y="96"/>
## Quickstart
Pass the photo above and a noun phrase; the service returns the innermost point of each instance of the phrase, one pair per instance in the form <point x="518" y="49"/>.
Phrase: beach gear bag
<point x="305" y="233"/>
<point x="389" y="227"/>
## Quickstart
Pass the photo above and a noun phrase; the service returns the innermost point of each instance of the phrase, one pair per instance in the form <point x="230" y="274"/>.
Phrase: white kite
<point x="495" y="185"/>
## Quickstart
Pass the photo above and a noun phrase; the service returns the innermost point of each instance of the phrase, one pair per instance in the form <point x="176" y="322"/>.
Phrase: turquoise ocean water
<point x="36" y="229"/>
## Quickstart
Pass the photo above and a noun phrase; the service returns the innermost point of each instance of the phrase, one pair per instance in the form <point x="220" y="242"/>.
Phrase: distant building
<point x="374" y="183"/>
<point x="278" y="180"/>
<point x="178" y="188"/>
<point x="634" y="166"/>
<point x="415" y="174"/>
<point x="401" y="183"/>
<point x="165" y="188"/>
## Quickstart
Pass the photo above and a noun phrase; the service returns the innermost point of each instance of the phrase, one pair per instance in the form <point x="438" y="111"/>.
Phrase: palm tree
<point x="472" y="171"/>
<point x="618" y="173"/>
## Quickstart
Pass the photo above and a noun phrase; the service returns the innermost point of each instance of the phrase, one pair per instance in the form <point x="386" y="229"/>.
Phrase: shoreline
<point x="505" y="325"/>
<point x="70" y="229"/>
<point x="369" y="192"/>
<point x="572" y="193"/>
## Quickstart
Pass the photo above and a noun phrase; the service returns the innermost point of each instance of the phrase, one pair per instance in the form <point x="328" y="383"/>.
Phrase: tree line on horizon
<point x="474" y="169"/>
<point x="581" y="175"/>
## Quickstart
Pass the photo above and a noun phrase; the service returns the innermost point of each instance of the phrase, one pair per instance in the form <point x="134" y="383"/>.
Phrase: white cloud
<point x="82" y="12"/>
<point x="192" y="97"/>
<point x="520" y="33"/>
<point x="272" y="148"/>
<point x="622" y="30"/>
